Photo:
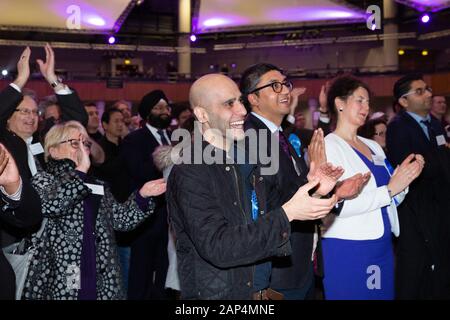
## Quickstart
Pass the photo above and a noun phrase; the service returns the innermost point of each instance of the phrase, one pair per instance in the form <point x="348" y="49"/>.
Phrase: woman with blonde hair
<point x="77" y="255"/>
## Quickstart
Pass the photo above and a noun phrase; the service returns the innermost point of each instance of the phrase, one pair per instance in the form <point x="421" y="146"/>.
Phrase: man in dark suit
<point x="19" y="118"/>
<point x="148" y="258"/>
<point x="423" y="257"/>
<point x="268" y="94"/>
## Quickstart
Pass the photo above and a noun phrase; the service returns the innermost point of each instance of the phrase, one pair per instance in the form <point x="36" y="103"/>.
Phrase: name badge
<point x="378" y="160"/>
<point x="36" y="148"/>
<point x="96" y="188"/>
<point x="440" y="140"/>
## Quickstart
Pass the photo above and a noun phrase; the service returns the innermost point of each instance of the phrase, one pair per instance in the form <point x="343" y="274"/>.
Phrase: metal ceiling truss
<point x="332" y="40"/>
<point x="88" y="46"/>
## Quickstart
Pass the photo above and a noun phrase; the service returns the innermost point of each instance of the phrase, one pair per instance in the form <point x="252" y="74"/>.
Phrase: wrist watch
<point x="56" y="83"/>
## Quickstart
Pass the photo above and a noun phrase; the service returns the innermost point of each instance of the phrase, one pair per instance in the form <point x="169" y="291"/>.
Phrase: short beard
<point x="158" y="121"/>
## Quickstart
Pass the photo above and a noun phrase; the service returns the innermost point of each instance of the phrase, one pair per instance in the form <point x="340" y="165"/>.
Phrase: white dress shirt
<point x="155" y="133"/>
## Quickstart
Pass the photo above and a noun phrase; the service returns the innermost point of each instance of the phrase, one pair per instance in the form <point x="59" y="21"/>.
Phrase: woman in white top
<point x="357" y="243"/>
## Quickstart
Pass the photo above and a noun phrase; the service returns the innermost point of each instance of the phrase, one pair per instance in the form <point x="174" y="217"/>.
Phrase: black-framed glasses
<point x="75" y="143"/>
<point x="418" y="91"/>
<point x="277" y="86"/>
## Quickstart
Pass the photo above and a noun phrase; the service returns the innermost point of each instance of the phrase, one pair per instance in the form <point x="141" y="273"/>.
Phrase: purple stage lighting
<point x="425" y="18"/>
<point x="111" y="40"/>
<point x="193" y="37"/>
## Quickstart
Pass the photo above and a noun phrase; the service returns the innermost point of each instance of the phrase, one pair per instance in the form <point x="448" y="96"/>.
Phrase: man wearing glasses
<point x="267" y="92"/>
<point x="19" y="117"/>
<point x="423" y="259"/>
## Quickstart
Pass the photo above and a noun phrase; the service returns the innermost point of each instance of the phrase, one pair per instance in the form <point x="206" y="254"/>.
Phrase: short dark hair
<point x="90" y="104"/>
<point x="403" y="85"/>
<point x="343" y="87"/>
<point x="106" y="116"/>
<point x="368" y="129"/>
<point x="251" y="77"/>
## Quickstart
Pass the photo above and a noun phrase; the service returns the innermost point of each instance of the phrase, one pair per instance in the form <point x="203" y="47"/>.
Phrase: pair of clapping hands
<point x="323" y="177"/>
<point x="47" y="67"/>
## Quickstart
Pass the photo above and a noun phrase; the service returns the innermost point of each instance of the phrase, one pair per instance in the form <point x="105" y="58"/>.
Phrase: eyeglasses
<point x="27" y="112"/>
<point x="277" y="86"/>
<point x="75" y="143"/>
<point x="418" y="91"/>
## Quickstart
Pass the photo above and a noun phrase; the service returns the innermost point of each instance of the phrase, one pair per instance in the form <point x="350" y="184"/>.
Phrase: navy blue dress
<point x="361" y="269"/>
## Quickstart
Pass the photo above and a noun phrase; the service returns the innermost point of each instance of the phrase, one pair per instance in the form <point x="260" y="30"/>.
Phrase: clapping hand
<point x="316" y="148"/>
<point x="304" y="207"/>
<point x="327" y="175"/>
<point x="295" y="94"/>
<point x="47" y="68"/>
<point x="9" y="174"/>
<point x="153" y="188"/>
<point x="23" y="68"/>
<point x="351" y="187"/>
<point x="406" y="173"/>
<point x="83" y="161"/>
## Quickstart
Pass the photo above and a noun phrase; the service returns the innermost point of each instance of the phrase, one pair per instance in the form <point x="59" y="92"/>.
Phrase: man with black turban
<point x="148" y="260"/>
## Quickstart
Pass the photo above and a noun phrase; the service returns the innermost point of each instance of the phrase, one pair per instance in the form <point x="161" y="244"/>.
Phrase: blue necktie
<point x="431" y="134"/>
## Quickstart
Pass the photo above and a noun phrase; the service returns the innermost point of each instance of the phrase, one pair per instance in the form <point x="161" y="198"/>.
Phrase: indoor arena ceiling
<point x="426" y="5"/>
<point x="62" y="14"/>
<point x="236" y="14"/>
<point x="155" y="22"/>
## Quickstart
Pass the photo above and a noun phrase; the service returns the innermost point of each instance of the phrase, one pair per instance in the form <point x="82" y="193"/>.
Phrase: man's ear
<point x="253" y="99"/>
<point x="201" y="114"/>
<point x="403" y="102"/>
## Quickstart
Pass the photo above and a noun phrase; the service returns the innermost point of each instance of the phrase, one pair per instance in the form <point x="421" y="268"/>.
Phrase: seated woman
<point x="77" y="254"/>
<point x="357" y="243"/>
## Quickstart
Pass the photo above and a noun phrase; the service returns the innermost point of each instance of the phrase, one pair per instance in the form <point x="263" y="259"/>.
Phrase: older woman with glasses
<point x="77" y="256"/>
<point x="357" y="243"/>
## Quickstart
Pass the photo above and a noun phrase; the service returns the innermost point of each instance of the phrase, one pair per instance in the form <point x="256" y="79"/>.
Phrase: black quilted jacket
<point x="217" y="242"/>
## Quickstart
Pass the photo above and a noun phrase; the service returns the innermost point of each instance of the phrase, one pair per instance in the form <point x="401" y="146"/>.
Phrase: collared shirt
<point x="419" y="119"/>
<point x="31" y="161"/>
<point x="273" y="128"/>
<point x="155" y="133"/>
<point x="269" y="124"/>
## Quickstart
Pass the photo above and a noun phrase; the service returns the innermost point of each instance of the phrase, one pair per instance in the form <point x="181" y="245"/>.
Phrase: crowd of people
<point x="273" y="210"/>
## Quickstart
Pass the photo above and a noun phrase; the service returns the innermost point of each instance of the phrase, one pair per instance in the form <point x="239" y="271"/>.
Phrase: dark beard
<point x="158" y="121"/>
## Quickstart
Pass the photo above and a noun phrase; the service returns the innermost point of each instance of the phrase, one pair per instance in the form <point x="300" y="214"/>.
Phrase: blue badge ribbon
<point x="294" y="140"/>
<point x="255" y="210"/>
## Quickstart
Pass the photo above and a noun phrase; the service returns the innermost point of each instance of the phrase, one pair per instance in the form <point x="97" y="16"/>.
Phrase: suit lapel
<point x="417" y="128"/>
